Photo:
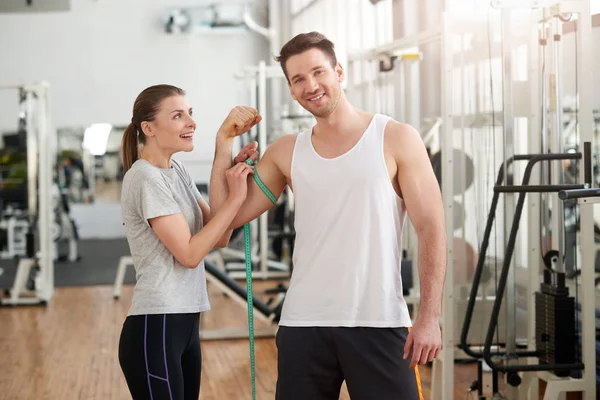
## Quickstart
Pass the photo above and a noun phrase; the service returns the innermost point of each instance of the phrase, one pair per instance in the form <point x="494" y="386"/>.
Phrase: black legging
<point x="160" y="356"/>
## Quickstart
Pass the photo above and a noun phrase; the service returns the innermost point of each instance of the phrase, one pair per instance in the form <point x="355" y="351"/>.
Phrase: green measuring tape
<point x="271" y="197"/>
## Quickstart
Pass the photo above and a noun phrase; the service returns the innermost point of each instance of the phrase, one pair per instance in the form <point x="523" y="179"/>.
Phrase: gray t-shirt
<point x="163" y="285"/>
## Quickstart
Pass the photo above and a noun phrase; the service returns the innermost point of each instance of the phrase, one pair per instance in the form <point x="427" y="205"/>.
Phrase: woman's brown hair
<point x="145" y="108"/>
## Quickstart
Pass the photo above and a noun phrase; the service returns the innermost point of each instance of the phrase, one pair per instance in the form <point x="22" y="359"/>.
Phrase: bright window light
<point x="95" y="138"/>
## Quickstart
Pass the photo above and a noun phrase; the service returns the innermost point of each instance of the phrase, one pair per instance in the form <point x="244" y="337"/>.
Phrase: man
<point x="355" y="175"/>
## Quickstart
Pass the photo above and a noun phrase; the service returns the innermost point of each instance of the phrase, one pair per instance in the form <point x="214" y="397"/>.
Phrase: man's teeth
<point x="317" y="98"/>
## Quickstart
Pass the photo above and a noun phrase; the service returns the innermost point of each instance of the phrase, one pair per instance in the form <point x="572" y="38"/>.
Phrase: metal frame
<point x="447" y="147"/>
<point x="585" y="90"/>
<point x="558" y="386"/>
<point x="40" y="166"/>
<point x="235" y="333"/>
<point x="508" y="125"/>
<point x="533" y="206"/>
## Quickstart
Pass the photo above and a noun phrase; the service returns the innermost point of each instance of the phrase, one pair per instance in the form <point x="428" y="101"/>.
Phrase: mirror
<point x="89" y="167"/>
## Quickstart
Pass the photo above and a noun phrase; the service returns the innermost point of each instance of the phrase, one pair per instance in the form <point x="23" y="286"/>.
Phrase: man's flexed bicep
<point x="257" y="201"/>
<point x="272" y="169"/>
<point x="240" y="120"/>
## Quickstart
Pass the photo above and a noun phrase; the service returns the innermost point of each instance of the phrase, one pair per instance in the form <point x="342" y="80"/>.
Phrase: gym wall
<point x="99" y="55"/>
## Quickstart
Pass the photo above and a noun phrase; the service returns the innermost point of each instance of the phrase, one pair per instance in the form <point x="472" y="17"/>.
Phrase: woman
<point x="169" y="230"/>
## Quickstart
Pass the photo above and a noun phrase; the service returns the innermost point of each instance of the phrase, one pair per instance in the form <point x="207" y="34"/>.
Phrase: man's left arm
<point x="423" y="201"/>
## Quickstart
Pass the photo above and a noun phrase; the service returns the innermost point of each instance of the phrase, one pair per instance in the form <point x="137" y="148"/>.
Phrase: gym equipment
<point x="266" y="312"/>
<point x="462" y="166"/>
<point x="34" y="281"/>
<point x="531" y="106"/>
<point x="64" y="229"/>
<point x="13" y="233"/>
<point x="14" y="226"/>
<point x="551" y="296"/>
<point x="553" y="326"/>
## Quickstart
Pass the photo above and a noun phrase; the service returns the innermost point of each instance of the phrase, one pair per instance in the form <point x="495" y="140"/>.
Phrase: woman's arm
<point x="223" y="240"/>
<point x="174" y="232"/>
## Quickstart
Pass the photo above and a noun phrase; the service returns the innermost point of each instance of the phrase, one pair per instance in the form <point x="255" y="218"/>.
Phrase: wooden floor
<point x="68" y="350"/>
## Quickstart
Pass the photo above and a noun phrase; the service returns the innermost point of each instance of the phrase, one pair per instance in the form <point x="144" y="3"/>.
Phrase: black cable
<point x="543" y="199"/>
<point x="476" y="187"/>
<point x="577" y="219"/>
<point x="578" y="347"/>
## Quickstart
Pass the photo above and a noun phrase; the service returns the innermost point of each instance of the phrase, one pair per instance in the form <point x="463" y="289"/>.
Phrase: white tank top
<point x="348" y="222"/>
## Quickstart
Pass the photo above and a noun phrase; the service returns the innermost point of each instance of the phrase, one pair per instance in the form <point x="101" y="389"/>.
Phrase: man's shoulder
<point x="284" y="143"/>
<point x="281" y="151"/>
<point x="402" y="141"/>
<point x="287" y="138"/>
<point x="401" y="131"/>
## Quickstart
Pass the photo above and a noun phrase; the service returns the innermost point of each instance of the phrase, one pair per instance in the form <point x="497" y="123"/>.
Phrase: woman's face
<point x="173" y="126"/>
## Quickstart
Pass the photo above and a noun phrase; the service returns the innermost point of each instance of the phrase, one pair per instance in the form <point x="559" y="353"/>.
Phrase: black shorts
<point x="313" y="362"/>
<point x="160" y="356"/>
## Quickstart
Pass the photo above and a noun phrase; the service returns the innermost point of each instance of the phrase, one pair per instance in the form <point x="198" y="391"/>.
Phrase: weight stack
<point x="555" y="326"/>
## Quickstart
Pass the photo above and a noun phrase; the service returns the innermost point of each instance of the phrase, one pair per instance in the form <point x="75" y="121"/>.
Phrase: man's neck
<point x="341" y="120"/>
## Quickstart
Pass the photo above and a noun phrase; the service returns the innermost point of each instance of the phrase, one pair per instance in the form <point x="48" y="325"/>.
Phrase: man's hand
<point x="248" y="151"/>
<point x="240" y="120"/>
<point x="425" y="340"/>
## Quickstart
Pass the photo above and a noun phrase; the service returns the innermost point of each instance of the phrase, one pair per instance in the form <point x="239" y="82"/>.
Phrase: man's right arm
<point x="256" y="201"/>
<point x="271" y="175"/>
<point x="239" y="121"/>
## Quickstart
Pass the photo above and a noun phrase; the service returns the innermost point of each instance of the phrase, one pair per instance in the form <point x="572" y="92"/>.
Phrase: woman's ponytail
<point x="129" y="147"/>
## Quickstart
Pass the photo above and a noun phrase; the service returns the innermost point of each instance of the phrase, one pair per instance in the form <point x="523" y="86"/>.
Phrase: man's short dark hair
<point x="303" y="42"/>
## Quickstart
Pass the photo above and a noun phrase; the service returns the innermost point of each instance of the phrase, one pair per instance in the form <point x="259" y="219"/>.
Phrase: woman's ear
<point x="147" y="128"/>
